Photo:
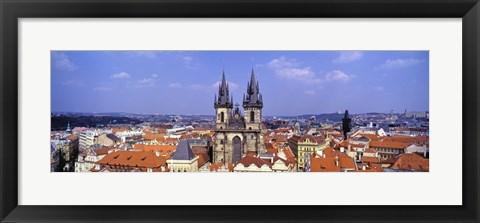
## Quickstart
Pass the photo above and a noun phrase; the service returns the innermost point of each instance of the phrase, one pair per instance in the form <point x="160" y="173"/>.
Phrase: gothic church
<point x="235" y="133"/>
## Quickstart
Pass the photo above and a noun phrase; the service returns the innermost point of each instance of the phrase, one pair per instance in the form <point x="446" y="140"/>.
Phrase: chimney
<point x="323" y="155"/>
<point x="157" y="153"/>
<point x="364" y="167"/>
<point x="342" y="149"/>
<point x="336" y="160"/>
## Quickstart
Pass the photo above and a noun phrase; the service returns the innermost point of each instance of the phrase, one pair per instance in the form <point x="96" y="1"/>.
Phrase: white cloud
<point x="290" y="69"/>
<point x="103" y="89"/>
<point x="231" y="85"/>
<point x="62" y="62"/>
<point x="337" y="75"/>
<point x="348" y="56"/>
<point x="121" y="75"/>
<point x="174" y="85"/>
<point x="398" y="63"/>
<point x="188" y="62"/>
<point x="310" y="92"/>
<point x="144" y="83"/>
<point x="187" y="59"/>
<point x="146" y="54"/>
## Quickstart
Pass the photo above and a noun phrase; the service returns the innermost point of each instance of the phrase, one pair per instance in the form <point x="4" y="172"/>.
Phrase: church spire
<point x="223" y="94"/>
<point x="253" y="92"/>
<point x="69" y="130"/>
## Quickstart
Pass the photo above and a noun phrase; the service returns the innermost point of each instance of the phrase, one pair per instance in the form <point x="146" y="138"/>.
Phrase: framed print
<point x="226" y="111"/>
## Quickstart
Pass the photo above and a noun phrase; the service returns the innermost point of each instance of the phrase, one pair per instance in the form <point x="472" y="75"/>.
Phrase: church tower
<point x="223" y="109"/>
<point x="223" y="105"/>
<point x="347" y="124"/>
<point x="252" y="105"/>
<point x="237" y="134"/>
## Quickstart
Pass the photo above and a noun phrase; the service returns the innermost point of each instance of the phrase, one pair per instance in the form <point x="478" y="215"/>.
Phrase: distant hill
<point x="318" y="117"/>
<point x="61" y="122"/>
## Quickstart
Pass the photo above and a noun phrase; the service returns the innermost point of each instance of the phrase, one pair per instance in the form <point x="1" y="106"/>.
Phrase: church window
<point x="249" y="128"/>
<point x="252" y="137"/>
<point x="222" y="118"/>
<point x="252" y="116"/>
<point x="221" y="141"/>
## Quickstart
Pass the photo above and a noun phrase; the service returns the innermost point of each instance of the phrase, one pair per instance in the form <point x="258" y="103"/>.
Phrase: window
<point x="222" y="117"/>
<point x="252" y="116"/>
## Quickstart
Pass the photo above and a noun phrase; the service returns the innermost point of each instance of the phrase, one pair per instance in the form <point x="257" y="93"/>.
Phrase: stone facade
<point x="237" y="133"/>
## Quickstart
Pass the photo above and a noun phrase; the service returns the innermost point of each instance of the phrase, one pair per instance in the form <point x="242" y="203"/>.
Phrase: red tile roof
<point x="165" y="150"/>
<point x="410" y="161"/>
<point x="289" y="154"/>
<point x="369" y="159"/>
<point x="158" y="137"/>
<point x="270" y="148"/>
<point x="328" y="163"/>
<point x="139" y="159"/>
<point x="250" y="159"/>
<point x="323" y="164"/>
<point x="346" y="162"/>
<point x="203" y="158"/>
<point x="72" y="137"/>
<point x="388" y="144"/>
<point x="102" y="151"/>
<point x="119" y="130"/>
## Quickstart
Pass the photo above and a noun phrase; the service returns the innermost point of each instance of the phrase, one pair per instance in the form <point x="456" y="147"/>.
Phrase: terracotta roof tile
<point x="410" y="161"/>
<point x="119" y="130"/>
<point x="249" y="160"/>
<point x="139" y="159"/>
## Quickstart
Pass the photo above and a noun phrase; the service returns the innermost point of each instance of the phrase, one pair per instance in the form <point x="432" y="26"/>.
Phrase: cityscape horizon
<point x="336" y="111"/>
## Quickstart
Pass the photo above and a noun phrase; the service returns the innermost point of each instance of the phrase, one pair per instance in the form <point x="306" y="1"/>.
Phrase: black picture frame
<point x="12" y="10"/>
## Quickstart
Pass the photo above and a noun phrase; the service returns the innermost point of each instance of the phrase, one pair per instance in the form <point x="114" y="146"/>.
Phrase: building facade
<point x="237" y="133"/>
<point x="303" y="146"/>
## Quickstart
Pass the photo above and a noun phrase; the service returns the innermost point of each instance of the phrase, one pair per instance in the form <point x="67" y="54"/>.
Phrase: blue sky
<point x="291" y="82"/>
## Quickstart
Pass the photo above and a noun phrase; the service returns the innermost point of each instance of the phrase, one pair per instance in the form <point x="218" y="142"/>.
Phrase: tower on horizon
<point x="347" y="124"/>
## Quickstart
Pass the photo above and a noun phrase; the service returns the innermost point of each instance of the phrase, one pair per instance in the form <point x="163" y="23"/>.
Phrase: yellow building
<point x="303" y="146"/>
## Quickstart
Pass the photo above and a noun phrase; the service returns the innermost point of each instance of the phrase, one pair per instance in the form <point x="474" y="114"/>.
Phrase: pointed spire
<point x="253" y="90"/>
<point x="223" y="93"/>
<point x="252" y="79"/>
<point x="69" y="131"/>
<point x="224" y="81"/>
<point x="215" y="100"/>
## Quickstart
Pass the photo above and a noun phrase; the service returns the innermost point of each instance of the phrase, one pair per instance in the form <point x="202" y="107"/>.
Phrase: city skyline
<point x="308" y="82"/>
